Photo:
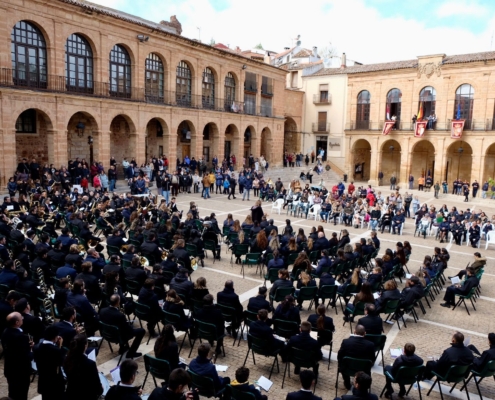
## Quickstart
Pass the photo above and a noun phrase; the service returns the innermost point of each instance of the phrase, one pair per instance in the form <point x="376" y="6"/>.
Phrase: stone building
<point x="448" y="87"/>
<point x="86" y="81"/>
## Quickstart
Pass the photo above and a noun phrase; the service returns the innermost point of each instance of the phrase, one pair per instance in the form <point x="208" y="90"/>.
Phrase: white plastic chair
<point x="315" y="210"/>
<point x="277" y="205"/>
<point x="490" y="238"/>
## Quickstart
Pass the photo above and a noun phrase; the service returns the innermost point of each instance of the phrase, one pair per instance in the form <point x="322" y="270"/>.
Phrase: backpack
<point x="174" y="179"/>
<point x="226" y="184"/>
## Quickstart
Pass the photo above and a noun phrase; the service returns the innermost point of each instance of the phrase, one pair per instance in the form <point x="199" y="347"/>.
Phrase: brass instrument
<point x="48" y="308"/>
<point x="79" y="328"/>
<point x="92" y="243"/>
<point x="194" y="263"/>
<point x="124" y="248"/>
<point x="70" y="282"/>
<point x="82" y="250"/>
<point x="144" y="262"/>
<point x="42" y="283"/>
<point x="164" y="255"/>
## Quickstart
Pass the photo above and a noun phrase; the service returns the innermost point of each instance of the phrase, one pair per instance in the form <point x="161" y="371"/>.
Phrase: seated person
<point x="261" y="330"/>
<point x="202" y="366"/>
<point x="390" y="292"/>
<point x="323" y="324"/>
<point x="148" y="297"/>
<point x="307" y="378"/>
<point x="212" y="315"/>
<point x="241" y="383"/>
<point x="125" y="390"/>
<point x="181" y="283"/>
<point x="408" y="359"/>
<point x="397" y="221"/>
<point x="178" y="381"/>
<point x="259" y="302"/>
<point x="305" y="281"/>
<point x="456" y="354"/>
<point x="462" y="288"/>
<point x="287" y="311"/>
<point x="305" y="342"/>
<point x="166" y="348"/>
<point x="173" y="304"/>
<point x="375" y="278"/>
<point x="113" y="316"/>
<point x="276" y="262"/>
<point x="361" y="388"/>
<point x="230" y="298"/>
<point x="282" y="281"/>
<point x="372" y="322"/>
<point x="488" y="355"/>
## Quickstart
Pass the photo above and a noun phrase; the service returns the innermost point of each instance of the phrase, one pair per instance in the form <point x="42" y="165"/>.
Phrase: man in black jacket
<point x="233" y="184"/>
<point x="408" y="359"/>
<point x="31" y="325"/>
<point x="65" y="327"/>
<point x="115" y="240"/>
<point x="305" y="342"/>
<point x="181" y="283"/>
<point x="457" y="354"/>
<point x="259" y="302"/>
<point x="361" y="389"/>
<point x="212" y="315"/>
<point x="7" y="307"/>
<point x="307" y="378"/>
<point x="321" y="243"/>
<point x="148" y="297"/>
<point x="49" y="358"/>
<point x="150" y="249"/>
<point x="261" y="329"/>
<point x="356" y="346"/>
<point x="113" y="316"/>
<point x="460" y="289"/>
<point x="125" y="390"/>
<point x="373" y="324"/>
<point x="488" y="355"/>
<point x="136" y="272"/>
<point x="270" y="227"/>
<point x="178" y="381"/>
<point x="228" y="297"/>
<point x="180" y="254"/>
<point x="18" y="356"/>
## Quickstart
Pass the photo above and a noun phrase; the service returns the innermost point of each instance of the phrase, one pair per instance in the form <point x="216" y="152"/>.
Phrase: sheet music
<point x="104" y="383"/>
<point x="115" y="373"/>
<point x="264" y="383"/>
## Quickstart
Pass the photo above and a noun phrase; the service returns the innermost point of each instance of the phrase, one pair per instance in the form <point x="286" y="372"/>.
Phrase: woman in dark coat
<point x="257" y="211"/>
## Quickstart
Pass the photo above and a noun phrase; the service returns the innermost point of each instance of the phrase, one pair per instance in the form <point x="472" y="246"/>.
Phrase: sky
<point x="368" y="31"/>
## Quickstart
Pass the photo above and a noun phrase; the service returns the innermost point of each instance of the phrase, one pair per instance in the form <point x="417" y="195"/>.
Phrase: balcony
<point x="321" y="127"/>
<point x="318" y="99"/>
<point x="265" y="111"/>
<point x="121" y="91"/>
<point x="251" y="86"/>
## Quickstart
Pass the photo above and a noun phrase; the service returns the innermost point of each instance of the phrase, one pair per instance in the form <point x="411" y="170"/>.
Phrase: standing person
<point x="484" y="189"/>
<point x="112" y="178"/>
<point x="393" y="181"/>
<point x="476" y="187"/>
<point x="411" y="182"/>
<point x="306" y="160"/>
<point x="421" y="183"/>
<point x="465" y="189"/>
<point x="312" y="156"/>
<point x="248" y="184"/>
<point x="206" y="186"/>
<point x="166" y="185"/>
<point x="233" y="184"/>
<point x="17" y="350"/>
<point x="437" y="189"/>
<point x="49" y="358"/>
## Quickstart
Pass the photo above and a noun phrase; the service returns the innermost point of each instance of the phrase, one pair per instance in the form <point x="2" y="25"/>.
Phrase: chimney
<point x="315" y="51"/>
<point x="343" y="63"/>
<point x="286" y="48"/>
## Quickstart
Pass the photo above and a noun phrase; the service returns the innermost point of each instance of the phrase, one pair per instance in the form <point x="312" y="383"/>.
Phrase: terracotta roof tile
<point x="283" y="53"/>
<point x="303" y="53"/>
<point x="472" y="57"/>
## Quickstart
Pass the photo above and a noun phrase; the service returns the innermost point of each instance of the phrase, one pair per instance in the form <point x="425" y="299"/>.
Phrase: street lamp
<point x="80" y="129"/>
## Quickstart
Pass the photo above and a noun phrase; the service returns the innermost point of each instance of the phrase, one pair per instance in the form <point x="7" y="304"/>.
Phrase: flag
<point x="388" y="111"/>
<point x="420" y="112"/>
<point x="458" y="115"/>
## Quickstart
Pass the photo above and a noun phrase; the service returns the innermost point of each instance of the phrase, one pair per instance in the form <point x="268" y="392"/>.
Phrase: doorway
<point x="322" y="143"/>
<point x="227" y="149"/>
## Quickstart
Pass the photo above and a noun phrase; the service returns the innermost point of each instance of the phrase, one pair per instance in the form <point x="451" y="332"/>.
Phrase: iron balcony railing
<point x="152" y="94"/>
<point x="323" y="100"/>
<point x="321" y="127"/>
<point x="266" y="89"/>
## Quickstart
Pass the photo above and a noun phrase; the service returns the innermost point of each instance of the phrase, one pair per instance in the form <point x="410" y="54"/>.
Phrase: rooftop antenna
<point x="491" y="42"/>
<point x="199" y="32"/>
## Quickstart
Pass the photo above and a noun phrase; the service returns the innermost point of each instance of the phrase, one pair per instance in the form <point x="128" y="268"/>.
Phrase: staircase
<point x="288" y="174"/>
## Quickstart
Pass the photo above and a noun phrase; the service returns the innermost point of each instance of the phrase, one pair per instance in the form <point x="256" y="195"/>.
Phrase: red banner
<point x="387" y="127"/>
<point x="420" y="128"/>
<point x="457" y="128"/>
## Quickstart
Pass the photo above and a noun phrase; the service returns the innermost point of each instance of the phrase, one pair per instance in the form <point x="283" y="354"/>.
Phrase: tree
<point x="259" y="46"/>
<point x="327" y="52"/>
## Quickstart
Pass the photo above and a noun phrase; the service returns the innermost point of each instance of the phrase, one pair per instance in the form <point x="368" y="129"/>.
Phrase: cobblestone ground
<point x="431" y="334"/>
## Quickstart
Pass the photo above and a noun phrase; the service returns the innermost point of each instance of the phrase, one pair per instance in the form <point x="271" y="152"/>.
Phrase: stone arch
<point x="211" y="142"/>
<point x="38" y="24"/>
<point x="361" y="157"/>
<point x="292" y="138"/>
<point x="422" y="159"/>
<point x="186" y="140"/>
<point x="459" y="161"/>
<point x="33" y="128"/>
<point x="122" y="138"/>
<point x="87" y="36"/>
<point x="266" y="145"/>
<point x="489" y="167"/>
<point x="156" y="135"/>
<point x="249" y="140"/>
<point x="83" y="137"/>
<point x="232" y="141"/>
<point x="390" y="159"/>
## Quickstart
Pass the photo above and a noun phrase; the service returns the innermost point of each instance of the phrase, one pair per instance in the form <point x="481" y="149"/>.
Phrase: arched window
<point x="392" y="110"/>
<point x="154" y="79"/>
<point x="363" y="110"/>
<point x="463" y="107"/>
<point x="208" y="89"/>
<point x="229" y="92"/>
<point x="120" y="72"/>
<point x="183" y="85"/>
<point x="29" y="64"/>
<point x="427" y="100"/>
<point x="78" y="64"/>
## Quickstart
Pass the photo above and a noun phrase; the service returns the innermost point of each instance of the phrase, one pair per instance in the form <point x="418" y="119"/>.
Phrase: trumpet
<point x="79" y="327"/>
<point x="48" y="310"/>
<point x="164" y="255"/>
<point x="144" y="262"/>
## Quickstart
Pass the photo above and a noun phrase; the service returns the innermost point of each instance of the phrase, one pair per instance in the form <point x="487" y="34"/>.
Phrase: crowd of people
<point x="55" y="268"/>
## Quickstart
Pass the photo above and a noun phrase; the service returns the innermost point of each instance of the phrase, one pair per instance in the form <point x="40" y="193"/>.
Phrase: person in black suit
<point x="114" y="266"/>
<point x="80" y="302"/>
<point x="49" y="358"/>
<point x="148" y="297"/>
<point x="65" y="327"/>
<point x="488" y="355"/>
<point x="136" y="272"/>
<point x="7" y="307"/>
<point x="113" y="316"/>
<point x="241" y="383"/>
<point x="17" y="352"/>
<point x="4" y="253"/>
<point x="356" y="346"/>
<point x="16" y="234"/>
<point x="323" y="324"/>
<point x="29" y="241"/>
<point x="228" y="297"/>
<point x="181" y="283"/>
<point x="83" y="382"/>
<point x="150" y="249"/>
<point x="305" y="342"/>
<point x="31" y="325"/>
<point x="460" y="289"/>
<point x="181" y="254"/>
<point x="178" y="381"/>
<point x="259" y="302"/>
<point x="8" y="275"/>
<point x="373" y="324"/>
<point x="212" y="315"/>
<point x="124" y="390"/>
<point x="458" y="354"/>
<point x="28" y="286"/>
<point x="91" y="282"/>
<point x="282" y="281"/>
<point x="361" y="388"/>
<point x="270" y="227"/>
<point x="261" y="329"/>
<point x="321" y="243"/>
<point x="174" y="305"/>
<point x="408" y="359"/>
<point x="56" y="255"/>
<point x="115" y="240"/>
<point x="307" y="378"/>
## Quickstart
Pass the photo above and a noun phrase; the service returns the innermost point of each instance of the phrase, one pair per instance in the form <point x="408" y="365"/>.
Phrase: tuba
<point x="49" y="314"/>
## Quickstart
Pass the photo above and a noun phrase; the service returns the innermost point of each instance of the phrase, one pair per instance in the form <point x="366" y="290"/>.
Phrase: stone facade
<point x="472" y="157"/>
<point x="127" y="126"/>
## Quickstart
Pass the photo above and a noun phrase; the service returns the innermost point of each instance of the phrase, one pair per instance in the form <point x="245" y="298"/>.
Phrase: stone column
<point x="170" y="148"/>
<point x="102" y="143"/>
<point x="478" y="162"/>
<point x="57" y="147"/>
<point x="8" y="163"/>
<point x="440" y="160"/>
